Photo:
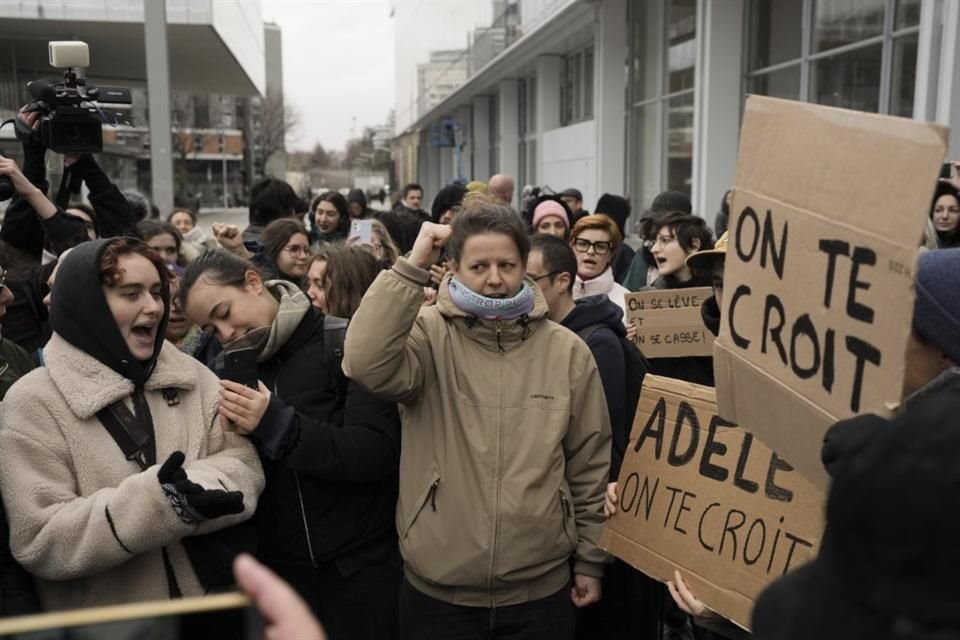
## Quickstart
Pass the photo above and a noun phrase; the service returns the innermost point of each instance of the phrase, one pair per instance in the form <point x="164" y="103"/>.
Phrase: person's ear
<point x="564" y="280"/>
<point x="695" y="243"/>
<point x="254" y="281"/>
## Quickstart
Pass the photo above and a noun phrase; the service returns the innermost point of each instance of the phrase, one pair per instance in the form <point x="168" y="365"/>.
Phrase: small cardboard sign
<point x="828" y="213"/>
<point x="668" y="322"/>
<point x="706" y="497"/>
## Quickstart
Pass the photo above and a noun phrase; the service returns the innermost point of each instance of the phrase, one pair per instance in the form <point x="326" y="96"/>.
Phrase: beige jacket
<point x="83" y="519"/>
<point x="505" y="448"/>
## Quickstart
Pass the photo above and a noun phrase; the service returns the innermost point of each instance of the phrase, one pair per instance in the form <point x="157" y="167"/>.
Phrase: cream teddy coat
<point x="84" y="520"/>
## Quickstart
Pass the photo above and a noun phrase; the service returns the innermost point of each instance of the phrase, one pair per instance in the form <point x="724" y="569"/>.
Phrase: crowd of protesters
<point x="424" y="431"/>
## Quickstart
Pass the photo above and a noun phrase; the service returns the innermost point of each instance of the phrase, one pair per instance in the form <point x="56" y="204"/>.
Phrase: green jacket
<point x="14" y="364"/>
<point x="506" y="442"/>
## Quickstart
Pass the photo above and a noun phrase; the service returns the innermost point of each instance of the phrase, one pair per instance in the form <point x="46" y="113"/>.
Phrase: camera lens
<point x="71" y="133"/>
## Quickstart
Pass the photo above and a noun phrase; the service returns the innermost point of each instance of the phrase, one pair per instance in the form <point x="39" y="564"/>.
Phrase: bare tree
<point x="278" y="123"/>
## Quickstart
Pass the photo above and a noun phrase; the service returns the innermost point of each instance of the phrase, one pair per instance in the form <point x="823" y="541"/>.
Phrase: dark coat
<point x="604" y="343"/>
<point x="334" y="449"/>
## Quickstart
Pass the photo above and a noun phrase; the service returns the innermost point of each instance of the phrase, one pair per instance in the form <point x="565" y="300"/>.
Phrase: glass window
<point x="682" y="44"/>
<point x="680" y="142"/>
<point x="904" y="78"/>
<point x="850" y="80"/>
<point x="907" y="14"/>
<point x="782" y="83"/>
<point x="776" y="31"/>
<point x="577" y="96"/>
<point x="588" y="83"/>
<point x="840" y="22"/>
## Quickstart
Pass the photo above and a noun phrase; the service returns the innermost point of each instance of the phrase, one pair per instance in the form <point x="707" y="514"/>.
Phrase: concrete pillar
<point x="717" y="103"/>
<point x="609" y="95"/>
<point x="158" y="95"/>
<point x="549" y="76"/>
<point x="481" y="139"/>
<point x="508" y="117"/>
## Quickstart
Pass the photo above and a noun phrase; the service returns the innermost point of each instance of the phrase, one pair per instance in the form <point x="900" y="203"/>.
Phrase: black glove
<point x="192" y="502"/>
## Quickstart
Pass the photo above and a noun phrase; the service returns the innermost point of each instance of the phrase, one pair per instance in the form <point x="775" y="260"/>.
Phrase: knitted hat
<point x="936" y="313"/>
<point x="704" y="260"/>
<point x="671" y="201"/>
<point x="616" y="208"/>
<point x="550" y="208"/>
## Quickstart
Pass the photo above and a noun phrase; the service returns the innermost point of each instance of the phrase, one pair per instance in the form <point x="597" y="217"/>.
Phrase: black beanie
<point x="616" y="208"/>
<point x="80" y="315"/>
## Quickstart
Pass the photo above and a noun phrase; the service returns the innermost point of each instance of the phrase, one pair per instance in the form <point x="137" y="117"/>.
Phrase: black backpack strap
<point x="132" y="433"/>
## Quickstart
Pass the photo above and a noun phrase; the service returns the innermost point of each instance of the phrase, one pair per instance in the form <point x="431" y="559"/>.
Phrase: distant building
<point x="437" y="79"/>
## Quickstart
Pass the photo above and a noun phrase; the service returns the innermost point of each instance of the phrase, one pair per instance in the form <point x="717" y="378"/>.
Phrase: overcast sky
<point x="338" y="63"/>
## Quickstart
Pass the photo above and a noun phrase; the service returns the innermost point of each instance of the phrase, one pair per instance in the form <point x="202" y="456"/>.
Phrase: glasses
<point x="546" y="275"/>
<point x="297" y="250"/>
<point x="601" y="247"/>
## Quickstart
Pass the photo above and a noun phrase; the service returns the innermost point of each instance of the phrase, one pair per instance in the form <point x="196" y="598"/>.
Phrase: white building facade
<point x="635" y="97"/>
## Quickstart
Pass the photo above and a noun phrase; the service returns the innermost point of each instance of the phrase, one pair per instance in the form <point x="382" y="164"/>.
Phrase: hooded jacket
<point x="506" y="444"/>
<point x="604" y="343"/>
<point x="357" y="195"/>
<point x="85" y="521"/>
<point x="330" y="451"/>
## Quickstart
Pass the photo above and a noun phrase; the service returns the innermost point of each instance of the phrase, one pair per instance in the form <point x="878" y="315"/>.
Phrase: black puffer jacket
<point x="330" y="452"/>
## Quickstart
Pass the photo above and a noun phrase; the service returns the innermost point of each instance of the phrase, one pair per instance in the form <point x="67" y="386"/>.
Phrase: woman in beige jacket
<point x="506" y="436"/>
<point x="93" y="525"/>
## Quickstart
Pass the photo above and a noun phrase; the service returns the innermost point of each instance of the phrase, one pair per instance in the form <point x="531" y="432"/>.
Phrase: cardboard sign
<point x="828" y="213"/>
<point x="706" y="497"/>
<point x="669" y="323"/>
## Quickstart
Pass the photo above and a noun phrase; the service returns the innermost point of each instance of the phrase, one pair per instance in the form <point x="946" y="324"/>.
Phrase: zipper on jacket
<point x="306" y="527"/>
<point x="499" y="336"/>
<point x="499" y="461"/>
<point x="296" y="479"/>
<point x="433" y="494"/>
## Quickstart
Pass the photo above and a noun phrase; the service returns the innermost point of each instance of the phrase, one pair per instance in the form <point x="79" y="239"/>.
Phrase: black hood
<point x="596" y="310"/>
<point x="79" y="314"/>
<point x="357" y="195"/>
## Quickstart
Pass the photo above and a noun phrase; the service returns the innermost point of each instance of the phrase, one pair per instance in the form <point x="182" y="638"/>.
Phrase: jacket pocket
<point x="427" y="499"/>
<point x="567" y="519"/>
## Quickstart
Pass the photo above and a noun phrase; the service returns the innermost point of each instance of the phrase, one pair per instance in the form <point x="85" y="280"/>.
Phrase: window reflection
<point x="840" y="22"/>
<point x="680" y="143"/>
<point x="775" y="32"/>
<point x="904" y="75"/>
<point x="850" y="80"/>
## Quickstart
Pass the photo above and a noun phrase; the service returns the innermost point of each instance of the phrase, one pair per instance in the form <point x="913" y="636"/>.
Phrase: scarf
<point x="474" y="304"/>
<point x="267" y="340"/>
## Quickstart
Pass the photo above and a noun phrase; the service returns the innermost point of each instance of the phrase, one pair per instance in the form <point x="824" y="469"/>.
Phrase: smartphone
<point x="240" y="365"/>
<point x="362" y="230"/>
<point x="946" y="171"/>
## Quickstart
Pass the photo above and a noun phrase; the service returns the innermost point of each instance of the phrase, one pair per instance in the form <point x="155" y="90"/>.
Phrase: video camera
<point x="72" y="112"/>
